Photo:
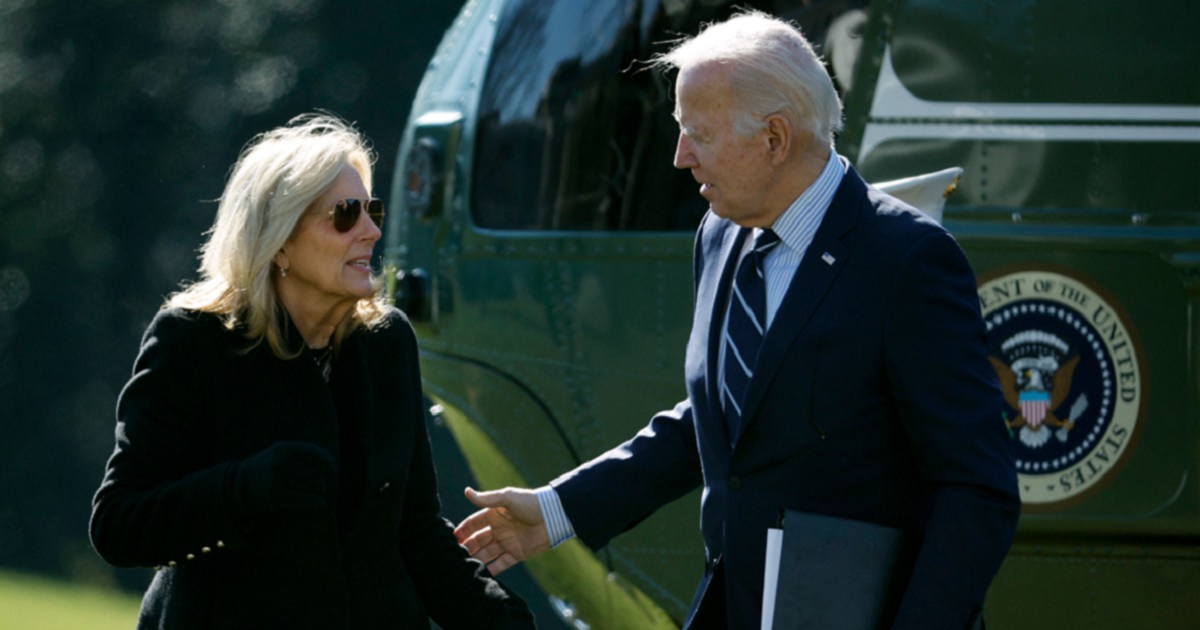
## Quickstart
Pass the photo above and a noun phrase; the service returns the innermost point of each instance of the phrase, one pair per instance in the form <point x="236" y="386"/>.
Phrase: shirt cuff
<point x="558" y="526"/>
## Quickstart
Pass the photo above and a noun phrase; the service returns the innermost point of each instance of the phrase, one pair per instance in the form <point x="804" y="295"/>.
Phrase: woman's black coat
<point x="376" y="554"/>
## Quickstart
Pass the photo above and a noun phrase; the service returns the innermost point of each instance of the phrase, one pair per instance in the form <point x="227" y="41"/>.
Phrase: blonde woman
<point x="271" y="458"/>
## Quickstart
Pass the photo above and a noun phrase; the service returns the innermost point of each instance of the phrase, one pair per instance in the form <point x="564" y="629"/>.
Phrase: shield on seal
<point x="1033" y="406"/>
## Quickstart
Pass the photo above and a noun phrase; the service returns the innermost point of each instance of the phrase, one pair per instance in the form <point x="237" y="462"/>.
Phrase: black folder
<point x="839" y="574"/>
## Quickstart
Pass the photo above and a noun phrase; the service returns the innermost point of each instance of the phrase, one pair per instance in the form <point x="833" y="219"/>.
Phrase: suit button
<point x="191" y="556"/>
<point x="735" y="483"/>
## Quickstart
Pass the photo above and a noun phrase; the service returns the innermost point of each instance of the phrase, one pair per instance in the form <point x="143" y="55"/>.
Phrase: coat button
<point x="220" y="544"/>
<point x="735" y="483"/>
<point x="191" y="556"/>
<point x="171" y="563"/>
<point x="206" y="549"/>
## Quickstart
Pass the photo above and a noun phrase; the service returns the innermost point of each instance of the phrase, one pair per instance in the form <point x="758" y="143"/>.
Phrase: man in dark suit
<point x="858" y="386"/>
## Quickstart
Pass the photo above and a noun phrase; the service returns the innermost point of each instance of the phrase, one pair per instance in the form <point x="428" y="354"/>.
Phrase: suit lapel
<point x="732" y="242"/>
<point x="824" y="259"/>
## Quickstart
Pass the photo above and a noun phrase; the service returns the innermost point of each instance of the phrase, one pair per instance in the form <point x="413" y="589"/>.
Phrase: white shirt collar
<point x="797" y="225"/>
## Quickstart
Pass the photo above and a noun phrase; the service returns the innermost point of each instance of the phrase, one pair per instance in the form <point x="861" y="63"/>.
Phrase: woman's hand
<point x="286" y="475"/>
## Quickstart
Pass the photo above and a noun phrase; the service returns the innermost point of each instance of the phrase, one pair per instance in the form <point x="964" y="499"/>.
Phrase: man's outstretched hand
<point x="507" y="530"/>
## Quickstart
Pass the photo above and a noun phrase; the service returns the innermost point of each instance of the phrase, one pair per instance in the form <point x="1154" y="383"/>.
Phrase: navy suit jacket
<point x="872" y="399"/>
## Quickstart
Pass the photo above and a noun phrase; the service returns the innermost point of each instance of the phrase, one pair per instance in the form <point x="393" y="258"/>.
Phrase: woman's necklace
<point x="324" y="360"/>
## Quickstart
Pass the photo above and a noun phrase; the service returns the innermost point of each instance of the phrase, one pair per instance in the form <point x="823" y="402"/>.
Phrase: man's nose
<point x="684" y="157"/>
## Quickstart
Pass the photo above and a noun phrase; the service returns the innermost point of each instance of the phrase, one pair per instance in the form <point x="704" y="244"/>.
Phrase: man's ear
<point x="781" y="138"/>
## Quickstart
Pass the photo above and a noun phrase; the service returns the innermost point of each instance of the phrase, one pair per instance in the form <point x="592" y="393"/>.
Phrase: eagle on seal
<point x="1036" y="388"/>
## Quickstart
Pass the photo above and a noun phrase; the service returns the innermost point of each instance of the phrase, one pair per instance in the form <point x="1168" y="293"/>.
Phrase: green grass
<point x="36" y="603"/>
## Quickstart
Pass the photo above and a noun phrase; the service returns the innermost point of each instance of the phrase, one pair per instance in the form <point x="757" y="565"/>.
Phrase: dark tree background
<point x="119" y="120"/>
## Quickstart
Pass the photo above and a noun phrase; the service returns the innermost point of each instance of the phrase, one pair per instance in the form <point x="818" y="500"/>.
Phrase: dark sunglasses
<point x="345" y="213"/>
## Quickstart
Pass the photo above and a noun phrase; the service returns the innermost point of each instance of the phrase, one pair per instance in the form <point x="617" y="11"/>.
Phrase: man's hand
<point x="506" y="531"/>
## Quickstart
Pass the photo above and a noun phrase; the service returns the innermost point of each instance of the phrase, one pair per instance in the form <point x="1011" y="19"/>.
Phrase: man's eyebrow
<point x="685" y="129"/>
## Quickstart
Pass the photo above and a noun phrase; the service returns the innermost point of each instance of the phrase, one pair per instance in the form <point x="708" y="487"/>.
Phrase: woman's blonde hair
<point x="278" y="175"/>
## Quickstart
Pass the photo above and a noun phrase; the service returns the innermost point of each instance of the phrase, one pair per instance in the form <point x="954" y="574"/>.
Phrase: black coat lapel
<point x="301" y="376"/>
<point x="351" y="387"/>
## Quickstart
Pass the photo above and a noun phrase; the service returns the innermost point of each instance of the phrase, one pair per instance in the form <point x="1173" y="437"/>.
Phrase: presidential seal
<point x="1071" y="372"/>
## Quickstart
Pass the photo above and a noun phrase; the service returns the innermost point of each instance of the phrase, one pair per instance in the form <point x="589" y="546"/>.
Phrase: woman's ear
<point x="281" y="261"/>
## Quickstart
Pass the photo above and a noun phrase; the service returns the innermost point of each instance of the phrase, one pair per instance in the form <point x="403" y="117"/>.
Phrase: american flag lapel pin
<point x="828" y="258"/>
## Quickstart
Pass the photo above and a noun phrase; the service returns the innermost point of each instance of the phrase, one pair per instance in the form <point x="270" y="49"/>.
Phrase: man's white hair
<point x="774" y="69"/>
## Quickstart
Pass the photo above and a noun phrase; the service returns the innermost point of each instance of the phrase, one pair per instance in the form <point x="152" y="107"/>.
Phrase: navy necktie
<point x="744" y="329"/>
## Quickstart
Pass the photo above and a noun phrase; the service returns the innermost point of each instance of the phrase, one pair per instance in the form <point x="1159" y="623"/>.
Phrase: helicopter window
<point x="575" y="133"/>
<point x="572" y="134"/>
